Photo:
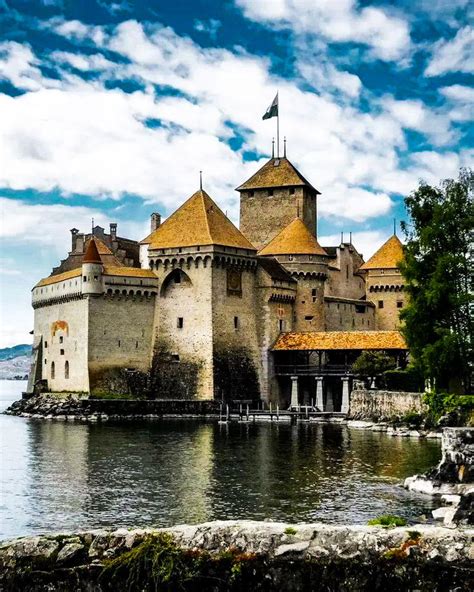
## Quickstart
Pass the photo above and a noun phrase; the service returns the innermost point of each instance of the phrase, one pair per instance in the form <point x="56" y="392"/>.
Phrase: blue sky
<point x="109" y="109"/>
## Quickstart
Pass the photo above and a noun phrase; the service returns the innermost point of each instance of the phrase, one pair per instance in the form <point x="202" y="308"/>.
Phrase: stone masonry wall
<point x="120" y="336"/>
<point x="64" y="328"/>
<point x="386" y="318"/>
<point x="242" y="555"/>
<point x="384" y="405"/>
<point x="263" y="216"/>
<point x="342" y="316"/>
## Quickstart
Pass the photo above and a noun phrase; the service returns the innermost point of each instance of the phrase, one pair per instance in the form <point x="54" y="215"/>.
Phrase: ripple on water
<point x="61" y="476"/>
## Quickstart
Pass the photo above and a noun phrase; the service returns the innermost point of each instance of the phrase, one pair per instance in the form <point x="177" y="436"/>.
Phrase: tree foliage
<point x="438" y="271"/>
<point x="372" y="363"/>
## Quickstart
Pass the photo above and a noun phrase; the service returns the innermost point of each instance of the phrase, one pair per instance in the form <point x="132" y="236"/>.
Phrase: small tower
<point x="272" y="198"/>
<point x="385" y="284"/>
<point x="92" y="270"/>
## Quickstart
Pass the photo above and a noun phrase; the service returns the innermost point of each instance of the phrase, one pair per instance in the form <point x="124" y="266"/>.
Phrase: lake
<point x="58" y="476"/>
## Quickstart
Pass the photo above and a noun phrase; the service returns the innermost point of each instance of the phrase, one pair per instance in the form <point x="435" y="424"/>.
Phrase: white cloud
<point x="19" y="65"/>
<point x="86" y="138"/>
<point x="455" y="55"/>
<point x="458" y="92"/>
<point x="340" y="21"/>
<point x="210" y="27"/>
<point x="323" y="76"/>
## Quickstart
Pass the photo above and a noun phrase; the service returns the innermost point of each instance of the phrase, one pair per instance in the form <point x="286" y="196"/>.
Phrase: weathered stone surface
<point x="269" y="556"/>
<point x="384" y="405"/>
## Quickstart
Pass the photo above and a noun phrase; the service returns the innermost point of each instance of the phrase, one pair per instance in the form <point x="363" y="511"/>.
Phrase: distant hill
<point x="9" y="353"/>
<point x="15" y="361"/>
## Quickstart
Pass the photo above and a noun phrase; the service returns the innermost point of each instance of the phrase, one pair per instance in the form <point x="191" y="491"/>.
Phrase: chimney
<point x="155" y="221"/>
<point x="74" y="232"/>
<point x="80" y="242"/>
<point x="113" y="231"/>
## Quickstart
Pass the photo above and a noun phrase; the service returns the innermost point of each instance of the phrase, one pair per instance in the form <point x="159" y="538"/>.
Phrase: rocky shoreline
<point x="243" y="555"/>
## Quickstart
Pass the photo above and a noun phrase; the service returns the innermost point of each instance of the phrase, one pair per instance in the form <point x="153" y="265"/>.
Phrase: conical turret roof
<point x="92" y="253"/>
<point x="387" y="257"/>
<point x="294" y="239"/>
<point x="277" y="172"/>
<point x="199" y="221"/>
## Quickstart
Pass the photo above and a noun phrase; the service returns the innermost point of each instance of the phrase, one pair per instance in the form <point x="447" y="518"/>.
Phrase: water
<point x="59" y="476"/>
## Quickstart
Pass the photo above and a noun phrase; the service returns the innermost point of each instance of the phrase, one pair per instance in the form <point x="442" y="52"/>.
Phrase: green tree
<point x="373" y="363"/>
<point x="438" y="270"/>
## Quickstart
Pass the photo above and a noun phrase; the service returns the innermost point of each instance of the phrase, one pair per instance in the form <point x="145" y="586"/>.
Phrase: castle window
<point x="309" y="318"/>
<point x="360" y="308"/>
<point x="281" y="324"/>
<point x="380" y="304"/>
<point x="174" y="357"/>
<point x="177" y="278"/>
<point x="180" y="323"/>
<point x="45" y="344"/>
<point x="61" y="351"/>
<point x="347" y="272"/>
<point x="119" y="342"/>
<point x="236" y="322"/>
<point x="66" y="369"/>
<point x="61" y="339"/>
<point x="251" y="193"/>
<point x="136" y="344"/>
<point x="400" y="304"/>
<point x="45" y="361"/>
<point x="290" y="257"/>
<point x="198" y="248"/>
<point x="52" y="370"/>
<point x="96" y="277"/>
<point x="310" y="257"/>
<point x="292" y="190"/>
<point x="85" y="278"/>
<point x="270" y="193"/>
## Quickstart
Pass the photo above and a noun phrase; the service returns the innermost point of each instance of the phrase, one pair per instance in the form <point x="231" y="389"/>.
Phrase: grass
<point x="387" y="521"/>
<point x="290" y="531"/>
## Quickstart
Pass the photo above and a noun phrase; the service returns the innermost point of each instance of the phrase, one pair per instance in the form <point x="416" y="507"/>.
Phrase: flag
<point x="272" y="111"/>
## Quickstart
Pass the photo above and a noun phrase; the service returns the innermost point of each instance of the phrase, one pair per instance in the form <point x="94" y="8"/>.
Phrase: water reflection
<point x="60" y="476"/>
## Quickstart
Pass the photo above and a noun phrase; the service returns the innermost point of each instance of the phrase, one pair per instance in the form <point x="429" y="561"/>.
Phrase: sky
<point x="110" y="108"/>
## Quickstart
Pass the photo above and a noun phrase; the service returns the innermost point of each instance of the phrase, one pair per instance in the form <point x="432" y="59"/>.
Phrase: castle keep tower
<point x="384" y="284"/>
<point x="272" y="198"/>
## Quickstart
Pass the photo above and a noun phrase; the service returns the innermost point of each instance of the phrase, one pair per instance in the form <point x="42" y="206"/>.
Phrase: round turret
<point x="92" y="270"/>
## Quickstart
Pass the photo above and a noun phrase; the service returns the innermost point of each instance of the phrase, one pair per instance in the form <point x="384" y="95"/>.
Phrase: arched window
<point x="52" y="370"/>
<point x="66" y="369"/>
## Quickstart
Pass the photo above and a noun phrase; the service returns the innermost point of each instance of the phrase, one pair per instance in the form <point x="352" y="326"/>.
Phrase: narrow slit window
<point x="236" y="322"/>
<point x="180" y="323"/>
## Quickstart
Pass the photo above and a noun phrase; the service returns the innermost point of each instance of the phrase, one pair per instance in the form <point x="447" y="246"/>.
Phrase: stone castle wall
<point x="120" y="336"/>
<point x="342" y="279"/>
<point x="236" y="363"/>
<point x="64" y="330"/>
<point x="342" y="315"/>
<point x="187" y="348"/>
<point x="384" y="405"/>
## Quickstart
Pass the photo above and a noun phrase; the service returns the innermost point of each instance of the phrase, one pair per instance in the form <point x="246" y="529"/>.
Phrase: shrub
<point x="440" y="404"/>
<point x="387" y="521"/>
<point x="371" y="363"/>
<point x="290" y="530"/>
<point x="409" y="380"/>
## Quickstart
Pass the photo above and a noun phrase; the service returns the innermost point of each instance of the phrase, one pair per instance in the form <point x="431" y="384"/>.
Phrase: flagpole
<point x="278" y="127"/>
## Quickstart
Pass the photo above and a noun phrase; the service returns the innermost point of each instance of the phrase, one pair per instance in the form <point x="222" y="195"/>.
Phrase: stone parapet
<point x="242" y="555"/>
<point x="384" y="405"/>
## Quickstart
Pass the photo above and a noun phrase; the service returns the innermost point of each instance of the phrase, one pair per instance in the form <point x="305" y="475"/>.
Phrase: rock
<point x="439" y="513"/>
<point x="70" y="552"/>
<point x="291" y="548"/>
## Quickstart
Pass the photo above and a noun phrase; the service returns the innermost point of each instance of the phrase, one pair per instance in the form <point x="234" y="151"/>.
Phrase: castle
<point x="202" y="309"/>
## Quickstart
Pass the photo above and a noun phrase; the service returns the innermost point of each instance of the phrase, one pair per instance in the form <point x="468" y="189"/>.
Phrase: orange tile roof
<point x="340" y="340"/>
<point x="276" y="173"/>
<point x="387" y="257"/>
<point x="294" y="239"/>
<point x="199" y="221"/>
<point x="128" y="271"/>
<point x="60" y="277"/>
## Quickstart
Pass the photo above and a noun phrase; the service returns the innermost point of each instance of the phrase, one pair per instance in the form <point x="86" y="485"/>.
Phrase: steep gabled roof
<point x="294" y="239"/>
<point x="387" y="257"/>
<point x="92" y="253"/>
<point x="340" y="340"/>
<point x="199" y="221"/>
<point x="277" y="172"/>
